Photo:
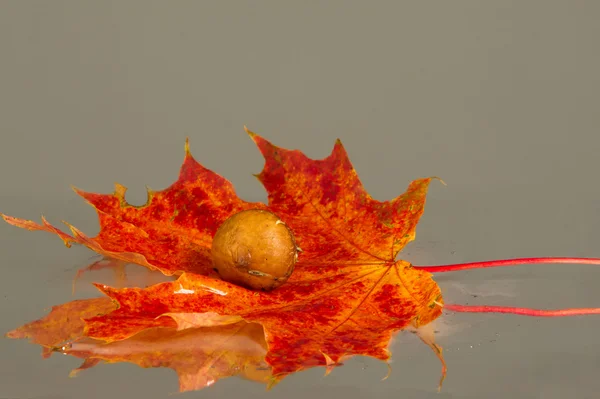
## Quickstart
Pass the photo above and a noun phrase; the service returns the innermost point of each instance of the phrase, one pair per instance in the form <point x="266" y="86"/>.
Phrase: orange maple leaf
<point x="347" y="295"/>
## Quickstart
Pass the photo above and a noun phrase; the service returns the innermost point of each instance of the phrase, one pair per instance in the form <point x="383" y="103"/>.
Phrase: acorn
<point x="254" y="249"/>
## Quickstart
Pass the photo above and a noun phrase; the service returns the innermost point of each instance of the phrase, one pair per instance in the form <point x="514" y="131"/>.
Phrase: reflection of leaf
<point x="200" y="356"/>
<point x="117" y="273"/>
<point x="347" y="295"/>
<point x="63" y="323"/>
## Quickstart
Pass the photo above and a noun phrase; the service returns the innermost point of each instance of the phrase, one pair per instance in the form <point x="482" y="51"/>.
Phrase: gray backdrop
<point x="499" y="98"/>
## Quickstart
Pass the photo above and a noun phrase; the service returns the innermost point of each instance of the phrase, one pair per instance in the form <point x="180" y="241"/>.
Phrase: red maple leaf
<point x="347" y="295"/>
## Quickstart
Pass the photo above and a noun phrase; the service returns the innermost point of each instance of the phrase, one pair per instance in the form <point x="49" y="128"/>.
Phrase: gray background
<point x="499" y="98"/>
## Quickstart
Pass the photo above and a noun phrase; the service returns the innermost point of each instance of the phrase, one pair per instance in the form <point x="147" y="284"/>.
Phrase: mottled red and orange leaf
<point x="346" y="297"/>
<point x="172" y="232"/>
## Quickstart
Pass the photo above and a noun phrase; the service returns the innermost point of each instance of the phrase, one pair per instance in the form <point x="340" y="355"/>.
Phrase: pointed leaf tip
<point x="389" y="367"/>
<point x="187" y="146"/>
<point x="82" y="193"/>
<point x="338" y="147"/>
<point x="250" y="133"/>
<point x="120" y="191"/>
<point x="86" y="195"/>
<point x="438" y="179"/>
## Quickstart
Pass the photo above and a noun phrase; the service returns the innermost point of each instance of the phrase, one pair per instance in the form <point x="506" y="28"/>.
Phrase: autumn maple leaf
<point x="347" y="296"/>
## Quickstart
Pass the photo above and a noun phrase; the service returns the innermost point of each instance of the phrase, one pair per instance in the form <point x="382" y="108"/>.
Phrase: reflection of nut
<point x="255" y="249"/>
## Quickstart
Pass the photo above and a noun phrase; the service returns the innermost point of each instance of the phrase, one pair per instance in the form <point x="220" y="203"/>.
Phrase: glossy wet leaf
<point x="347" y="295"/>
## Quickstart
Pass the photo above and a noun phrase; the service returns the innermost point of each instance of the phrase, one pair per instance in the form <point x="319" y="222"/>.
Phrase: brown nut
<point x="254" y="249"/>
